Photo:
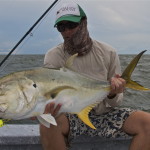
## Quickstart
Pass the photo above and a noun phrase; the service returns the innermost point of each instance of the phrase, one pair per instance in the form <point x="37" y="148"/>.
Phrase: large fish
<point x="25" y="94"/>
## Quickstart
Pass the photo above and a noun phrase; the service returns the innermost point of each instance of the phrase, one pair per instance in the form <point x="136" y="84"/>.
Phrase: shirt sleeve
<point x="114" y="69"/>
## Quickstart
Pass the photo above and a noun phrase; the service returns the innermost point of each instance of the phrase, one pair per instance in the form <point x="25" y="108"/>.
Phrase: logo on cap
<point x="68" y="10"/>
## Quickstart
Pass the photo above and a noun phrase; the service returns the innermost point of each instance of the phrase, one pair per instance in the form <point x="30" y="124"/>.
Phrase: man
<point x="100" y="61"/>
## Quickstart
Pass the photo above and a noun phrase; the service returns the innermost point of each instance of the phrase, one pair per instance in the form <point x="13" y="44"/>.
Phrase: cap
<point x="69" y="12"/>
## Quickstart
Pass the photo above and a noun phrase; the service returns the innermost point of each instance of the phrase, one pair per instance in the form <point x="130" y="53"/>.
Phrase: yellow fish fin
<point x="130" y="68"/>
<point x="128" y="71"/>
<point x="53" y="93"/>
<point x="3" y="121"/>
<point x="70" y="60"/>
<point x="136" y="86"/>
<point x="83" y="115"/>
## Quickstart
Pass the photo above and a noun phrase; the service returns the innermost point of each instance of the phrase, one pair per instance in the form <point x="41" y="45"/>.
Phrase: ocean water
<point x="132" y="98"/>
<point x="141" y="74"/>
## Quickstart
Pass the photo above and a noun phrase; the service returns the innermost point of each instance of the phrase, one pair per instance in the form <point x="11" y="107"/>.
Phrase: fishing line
<point x="30" y="35"/>
<point x="26" y="34"/>
<point x="11" y="58"/>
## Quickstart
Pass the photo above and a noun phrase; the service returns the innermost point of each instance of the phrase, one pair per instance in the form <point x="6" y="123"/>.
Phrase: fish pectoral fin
<point x="46" y="120"/>
<point x="54" y="92"/>
<point x="136" y="86"/>
<point x="70" y="60"/>
<point x="83" y="115"/>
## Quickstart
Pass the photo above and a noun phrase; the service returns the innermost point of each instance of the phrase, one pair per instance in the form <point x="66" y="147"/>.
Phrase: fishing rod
<point x="28" y="32"/>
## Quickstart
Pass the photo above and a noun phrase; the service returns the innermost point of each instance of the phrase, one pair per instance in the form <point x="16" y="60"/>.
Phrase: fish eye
<point x="34" y="85"/>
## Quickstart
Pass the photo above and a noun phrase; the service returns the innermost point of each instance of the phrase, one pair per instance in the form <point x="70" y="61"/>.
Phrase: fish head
<point x="17" y="95"/>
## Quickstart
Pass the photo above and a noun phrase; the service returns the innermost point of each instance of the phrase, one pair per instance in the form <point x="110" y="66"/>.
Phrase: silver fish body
<point x="25" y="94"/>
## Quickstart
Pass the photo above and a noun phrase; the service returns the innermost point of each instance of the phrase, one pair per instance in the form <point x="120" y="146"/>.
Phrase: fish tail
<point x="128" y="71"/>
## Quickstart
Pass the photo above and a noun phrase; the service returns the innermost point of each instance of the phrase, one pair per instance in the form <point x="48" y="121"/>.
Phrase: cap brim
<point x="68" y="18"/>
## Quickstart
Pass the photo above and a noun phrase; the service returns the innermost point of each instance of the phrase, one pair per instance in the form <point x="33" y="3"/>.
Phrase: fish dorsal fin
<point x="83" y="115"/>
<point x="70" y="61"/>
<point x="46" y="120"/>
<point x="54" y="92"/>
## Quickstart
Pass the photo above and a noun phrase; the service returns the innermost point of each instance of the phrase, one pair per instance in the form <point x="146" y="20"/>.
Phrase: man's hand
<point x="117" y="85"/>
<point x="50" y="108"/>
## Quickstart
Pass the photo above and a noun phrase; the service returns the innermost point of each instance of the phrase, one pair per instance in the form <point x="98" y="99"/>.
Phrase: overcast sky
<point x="124" y="24"/>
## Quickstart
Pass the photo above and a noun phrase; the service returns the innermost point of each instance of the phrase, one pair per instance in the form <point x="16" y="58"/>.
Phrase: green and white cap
<point x="69" y="12"/>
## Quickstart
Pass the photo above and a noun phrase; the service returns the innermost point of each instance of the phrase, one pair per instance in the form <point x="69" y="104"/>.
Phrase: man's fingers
<point x="56" y="110"/>
<point x="46" y="109"/>
<point x="50" y="108"/>
<point x="117" y="84"/>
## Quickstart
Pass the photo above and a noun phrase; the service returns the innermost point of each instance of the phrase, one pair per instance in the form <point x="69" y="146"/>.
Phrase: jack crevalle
<point x="25" y="94"/>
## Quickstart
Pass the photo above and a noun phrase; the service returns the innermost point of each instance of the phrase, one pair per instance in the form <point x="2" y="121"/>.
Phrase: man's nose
<point x="67" y="32"/>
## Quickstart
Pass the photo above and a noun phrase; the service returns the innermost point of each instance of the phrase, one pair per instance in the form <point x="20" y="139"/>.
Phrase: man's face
<point x="67" y="29"/>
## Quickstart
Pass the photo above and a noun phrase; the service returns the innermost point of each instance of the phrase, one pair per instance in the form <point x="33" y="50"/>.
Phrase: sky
<point x="124" y="24"/>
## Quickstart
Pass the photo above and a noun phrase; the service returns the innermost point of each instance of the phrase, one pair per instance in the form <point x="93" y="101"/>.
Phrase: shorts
<point x="108" y="125"/>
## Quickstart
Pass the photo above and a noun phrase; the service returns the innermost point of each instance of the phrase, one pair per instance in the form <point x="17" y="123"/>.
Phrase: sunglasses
<point x="61" y="27"/>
